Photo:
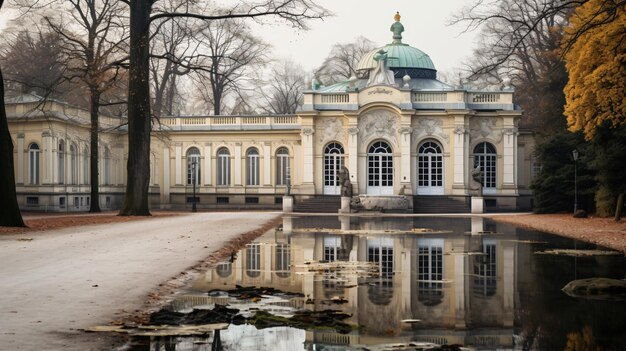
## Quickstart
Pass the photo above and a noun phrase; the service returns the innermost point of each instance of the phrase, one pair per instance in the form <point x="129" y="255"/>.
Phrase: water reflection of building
<point x="460" y="286"/>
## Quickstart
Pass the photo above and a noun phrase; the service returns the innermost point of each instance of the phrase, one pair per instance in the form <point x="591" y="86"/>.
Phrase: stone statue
<point x="477" y="175"/>
<point x="344" y="181"/>
<point x="381" y="74"/>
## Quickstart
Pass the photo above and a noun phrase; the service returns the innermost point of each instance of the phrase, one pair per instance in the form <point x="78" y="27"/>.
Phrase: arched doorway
<point x="485" y="156"/>
<point x="380" y="169"/>
<point x="430" y="169"/>
<point x="333" y="161"/>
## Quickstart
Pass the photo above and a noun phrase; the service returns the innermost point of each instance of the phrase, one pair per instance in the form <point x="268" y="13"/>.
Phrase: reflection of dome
<point x="402" y="58"/>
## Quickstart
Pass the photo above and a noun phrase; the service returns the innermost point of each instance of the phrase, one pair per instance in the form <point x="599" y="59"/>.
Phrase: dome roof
<point x="400" y="56"/>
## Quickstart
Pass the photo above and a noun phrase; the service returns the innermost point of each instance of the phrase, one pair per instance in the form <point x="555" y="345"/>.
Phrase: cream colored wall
<point x="172" y="154"/>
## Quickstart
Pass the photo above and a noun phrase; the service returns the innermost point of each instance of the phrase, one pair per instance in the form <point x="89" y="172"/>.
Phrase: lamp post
<point x="193" y="180"/>
<point x="575" y="156"/>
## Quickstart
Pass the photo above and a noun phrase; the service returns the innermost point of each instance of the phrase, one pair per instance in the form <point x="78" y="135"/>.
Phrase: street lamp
<point x="575" y="156"/>
<point x="193" y="179"/>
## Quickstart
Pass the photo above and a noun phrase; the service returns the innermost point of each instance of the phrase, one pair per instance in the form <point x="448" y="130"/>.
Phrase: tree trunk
<point x="620" y="206"/>
<point x="138" y="166"/>
<point x="94" y="205"/>
<point x="10" y="215"/>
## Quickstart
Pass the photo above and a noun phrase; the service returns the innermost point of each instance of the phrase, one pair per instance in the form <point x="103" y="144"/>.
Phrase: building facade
<point x="397" y="129"/>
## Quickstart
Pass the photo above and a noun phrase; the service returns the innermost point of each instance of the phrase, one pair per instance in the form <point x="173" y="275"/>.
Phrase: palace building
<point x="397" y="129"/>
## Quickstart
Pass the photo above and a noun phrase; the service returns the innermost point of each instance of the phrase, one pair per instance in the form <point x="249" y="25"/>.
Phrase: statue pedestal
<point x="345" y="204"/>
<point x="478" y="225"/>
<point x="478" y="204"/>
<point x="287" y="203"/>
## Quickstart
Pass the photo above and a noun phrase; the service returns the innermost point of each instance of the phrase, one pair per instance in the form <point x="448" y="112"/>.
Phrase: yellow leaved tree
<point x="596" y="63"/>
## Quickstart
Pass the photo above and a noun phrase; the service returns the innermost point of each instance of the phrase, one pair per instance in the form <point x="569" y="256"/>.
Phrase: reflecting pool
<point x="470" y="282"/>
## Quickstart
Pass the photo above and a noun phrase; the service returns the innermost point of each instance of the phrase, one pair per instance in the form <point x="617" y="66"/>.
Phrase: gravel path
<point x="601" y="231"/>
<point x="55" y="282"/>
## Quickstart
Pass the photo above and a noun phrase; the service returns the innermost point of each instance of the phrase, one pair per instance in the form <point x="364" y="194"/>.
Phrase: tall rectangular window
<point x="33" y="164"/>
<point x="223" y="166"/>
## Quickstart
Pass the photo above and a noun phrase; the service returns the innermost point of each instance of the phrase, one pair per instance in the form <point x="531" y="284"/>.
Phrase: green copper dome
<point x="402" y="58"/>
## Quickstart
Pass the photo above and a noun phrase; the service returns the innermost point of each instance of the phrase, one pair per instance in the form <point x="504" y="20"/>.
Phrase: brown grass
<point x="601" y="231"/>
<point x="47" y="221"/>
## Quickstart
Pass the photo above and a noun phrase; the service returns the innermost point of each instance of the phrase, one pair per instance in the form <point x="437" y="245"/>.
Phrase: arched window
<point x="252" y="167"/>
<point x="380" y="169"/>
<point x="61" y="152"/>
<point x="107" y="166"/>
<point x="223" y="166"/>
<point x="282" y="166"/>
<point x="430" y="169"/>
<point x="283" y="260"/>
<point x="193" y="166"/>
<point x="333" y="161"/>
<point x="485" y="269"/>
<point x="86" y="166"/>
<point x="253" y="260"/>
<point x="430" y="271"/>
<point x="380" y="251"/>
<point x="33" y="164"/>
<point x="485" y="157"/>
<point x="73" y="166"/>
<point x="224" y="269"/>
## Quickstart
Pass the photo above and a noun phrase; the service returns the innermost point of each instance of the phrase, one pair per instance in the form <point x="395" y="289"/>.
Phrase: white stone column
<point x="267" y="166"/>
<point x="54" y="160"/>
<point x="166" y="175"/>
<point x="353" y="156"/>
<point x="238" y="164"/>
<point x="46" y="158"/>
<point x="509" y="145"/>
<point x="508" y="282"/>
<point x="460" y="160"/>
<point x="460" y="281"/>
<point x="207" y="163"/>
<point x="405" y="157"/>
<point x="267" y="262"/>
<point x="179" y="164"/>
<point x="307" y="151"/>
<point x="19" y="176"/>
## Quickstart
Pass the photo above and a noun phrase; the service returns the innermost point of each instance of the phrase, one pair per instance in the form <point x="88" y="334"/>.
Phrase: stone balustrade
<point x="277" y="122"/>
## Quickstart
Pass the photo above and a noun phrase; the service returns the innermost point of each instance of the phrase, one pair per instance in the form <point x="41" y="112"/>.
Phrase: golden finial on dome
<point x="397" y="16"/>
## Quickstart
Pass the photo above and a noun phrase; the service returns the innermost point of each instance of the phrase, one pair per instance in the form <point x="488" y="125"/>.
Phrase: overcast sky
<point x="424" y="23"/>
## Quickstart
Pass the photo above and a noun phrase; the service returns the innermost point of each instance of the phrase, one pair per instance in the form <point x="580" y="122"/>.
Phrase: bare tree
<point x="94" y="46"/>
<point x="25" y="75"/>
<point x="282" y="92"/>
<point x="174" y="46"/>
<point x="231" y="55"/>
<point x="520" y="42"/>
<point x="342" y="61"/>
<point x="294" y="12"/>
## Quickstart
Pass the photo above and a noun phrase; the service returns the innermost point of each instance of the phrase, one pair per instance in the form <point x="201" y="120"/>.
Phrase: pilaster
<point x="267" y="166"/>
<point x="19" y="176"/>
<point x="208" y="153"/>
<point x="179" y="163"/>
<point x="238" y="164"/>
<point x="166" y="175"/>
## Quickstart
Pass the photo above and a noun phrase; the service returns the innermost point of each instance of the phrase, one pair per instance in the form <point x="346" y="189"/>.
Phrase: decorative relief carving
<point x="485" y="127"/>
<point x="378" y="124"/>
<point x="511" y="131"/>
<point x="429" y="126"/>
<point x="331" y="129"/>
<point x="308" y="131"/>
<point x="406" y="130"/>
<point x="459" y="130"/>
<point x="353" y="130"/>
